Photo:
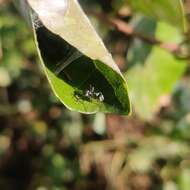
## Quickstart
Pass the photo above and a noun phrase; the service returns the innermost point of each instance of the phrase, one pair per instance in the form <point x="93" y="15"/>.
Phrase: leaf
<point x="64" y="36"/>
<point x="170" y="11"/>
<point x="153" y="71"/>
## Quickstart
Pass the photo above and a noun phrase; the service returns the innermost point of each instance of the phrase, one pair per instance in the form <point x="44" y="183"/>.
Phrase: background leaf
<point x="153" y="71"/>
<point x="170" y="11"/>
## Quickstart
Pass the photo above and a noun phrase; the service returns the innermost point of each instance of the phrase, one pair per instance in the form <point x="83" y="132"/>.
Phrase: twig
<point x="128" y="30"/>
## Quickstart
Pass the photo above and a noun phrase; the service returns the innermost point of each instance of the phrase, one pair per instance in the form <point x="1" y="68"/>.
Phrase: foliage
<point x="161" y="67"/>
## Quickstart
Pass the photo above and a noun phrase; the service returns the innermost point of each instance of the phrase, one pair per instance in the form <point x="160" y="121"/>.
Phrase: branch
<point x="126" y="29"/>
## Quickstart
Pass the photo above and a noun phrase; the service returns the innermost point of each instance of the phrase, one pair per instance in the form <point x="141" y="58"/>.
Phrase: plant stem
<point x="128" y="30"/>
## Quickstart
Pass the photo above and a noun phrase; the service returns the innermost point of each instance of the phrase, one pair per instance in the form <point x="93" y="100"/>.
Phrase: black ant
<point x="89" y="94"/>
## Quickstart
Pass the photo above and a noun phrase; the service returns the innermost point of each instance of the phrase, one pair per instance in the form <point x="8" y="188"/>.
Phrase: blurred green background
<point x="44" y="146"/>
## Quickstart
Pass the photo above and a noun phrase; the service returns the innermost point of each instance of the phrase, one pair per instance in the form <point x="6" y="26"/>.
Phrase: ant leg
<point x="64" y="64"/>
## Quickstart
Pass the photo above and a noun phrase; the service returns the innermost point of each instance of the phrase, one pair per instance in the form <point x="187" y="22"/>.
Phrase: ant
<point x="89" y="94"/>
<point x="92" y="94"/>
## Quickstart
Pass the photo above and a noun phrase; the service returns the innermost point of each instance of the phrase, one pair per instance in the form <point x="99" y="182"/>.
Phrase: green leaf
<point x="75" y="59"/>
<point x="153" y="71"/>
<point x="166" y="10"/>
